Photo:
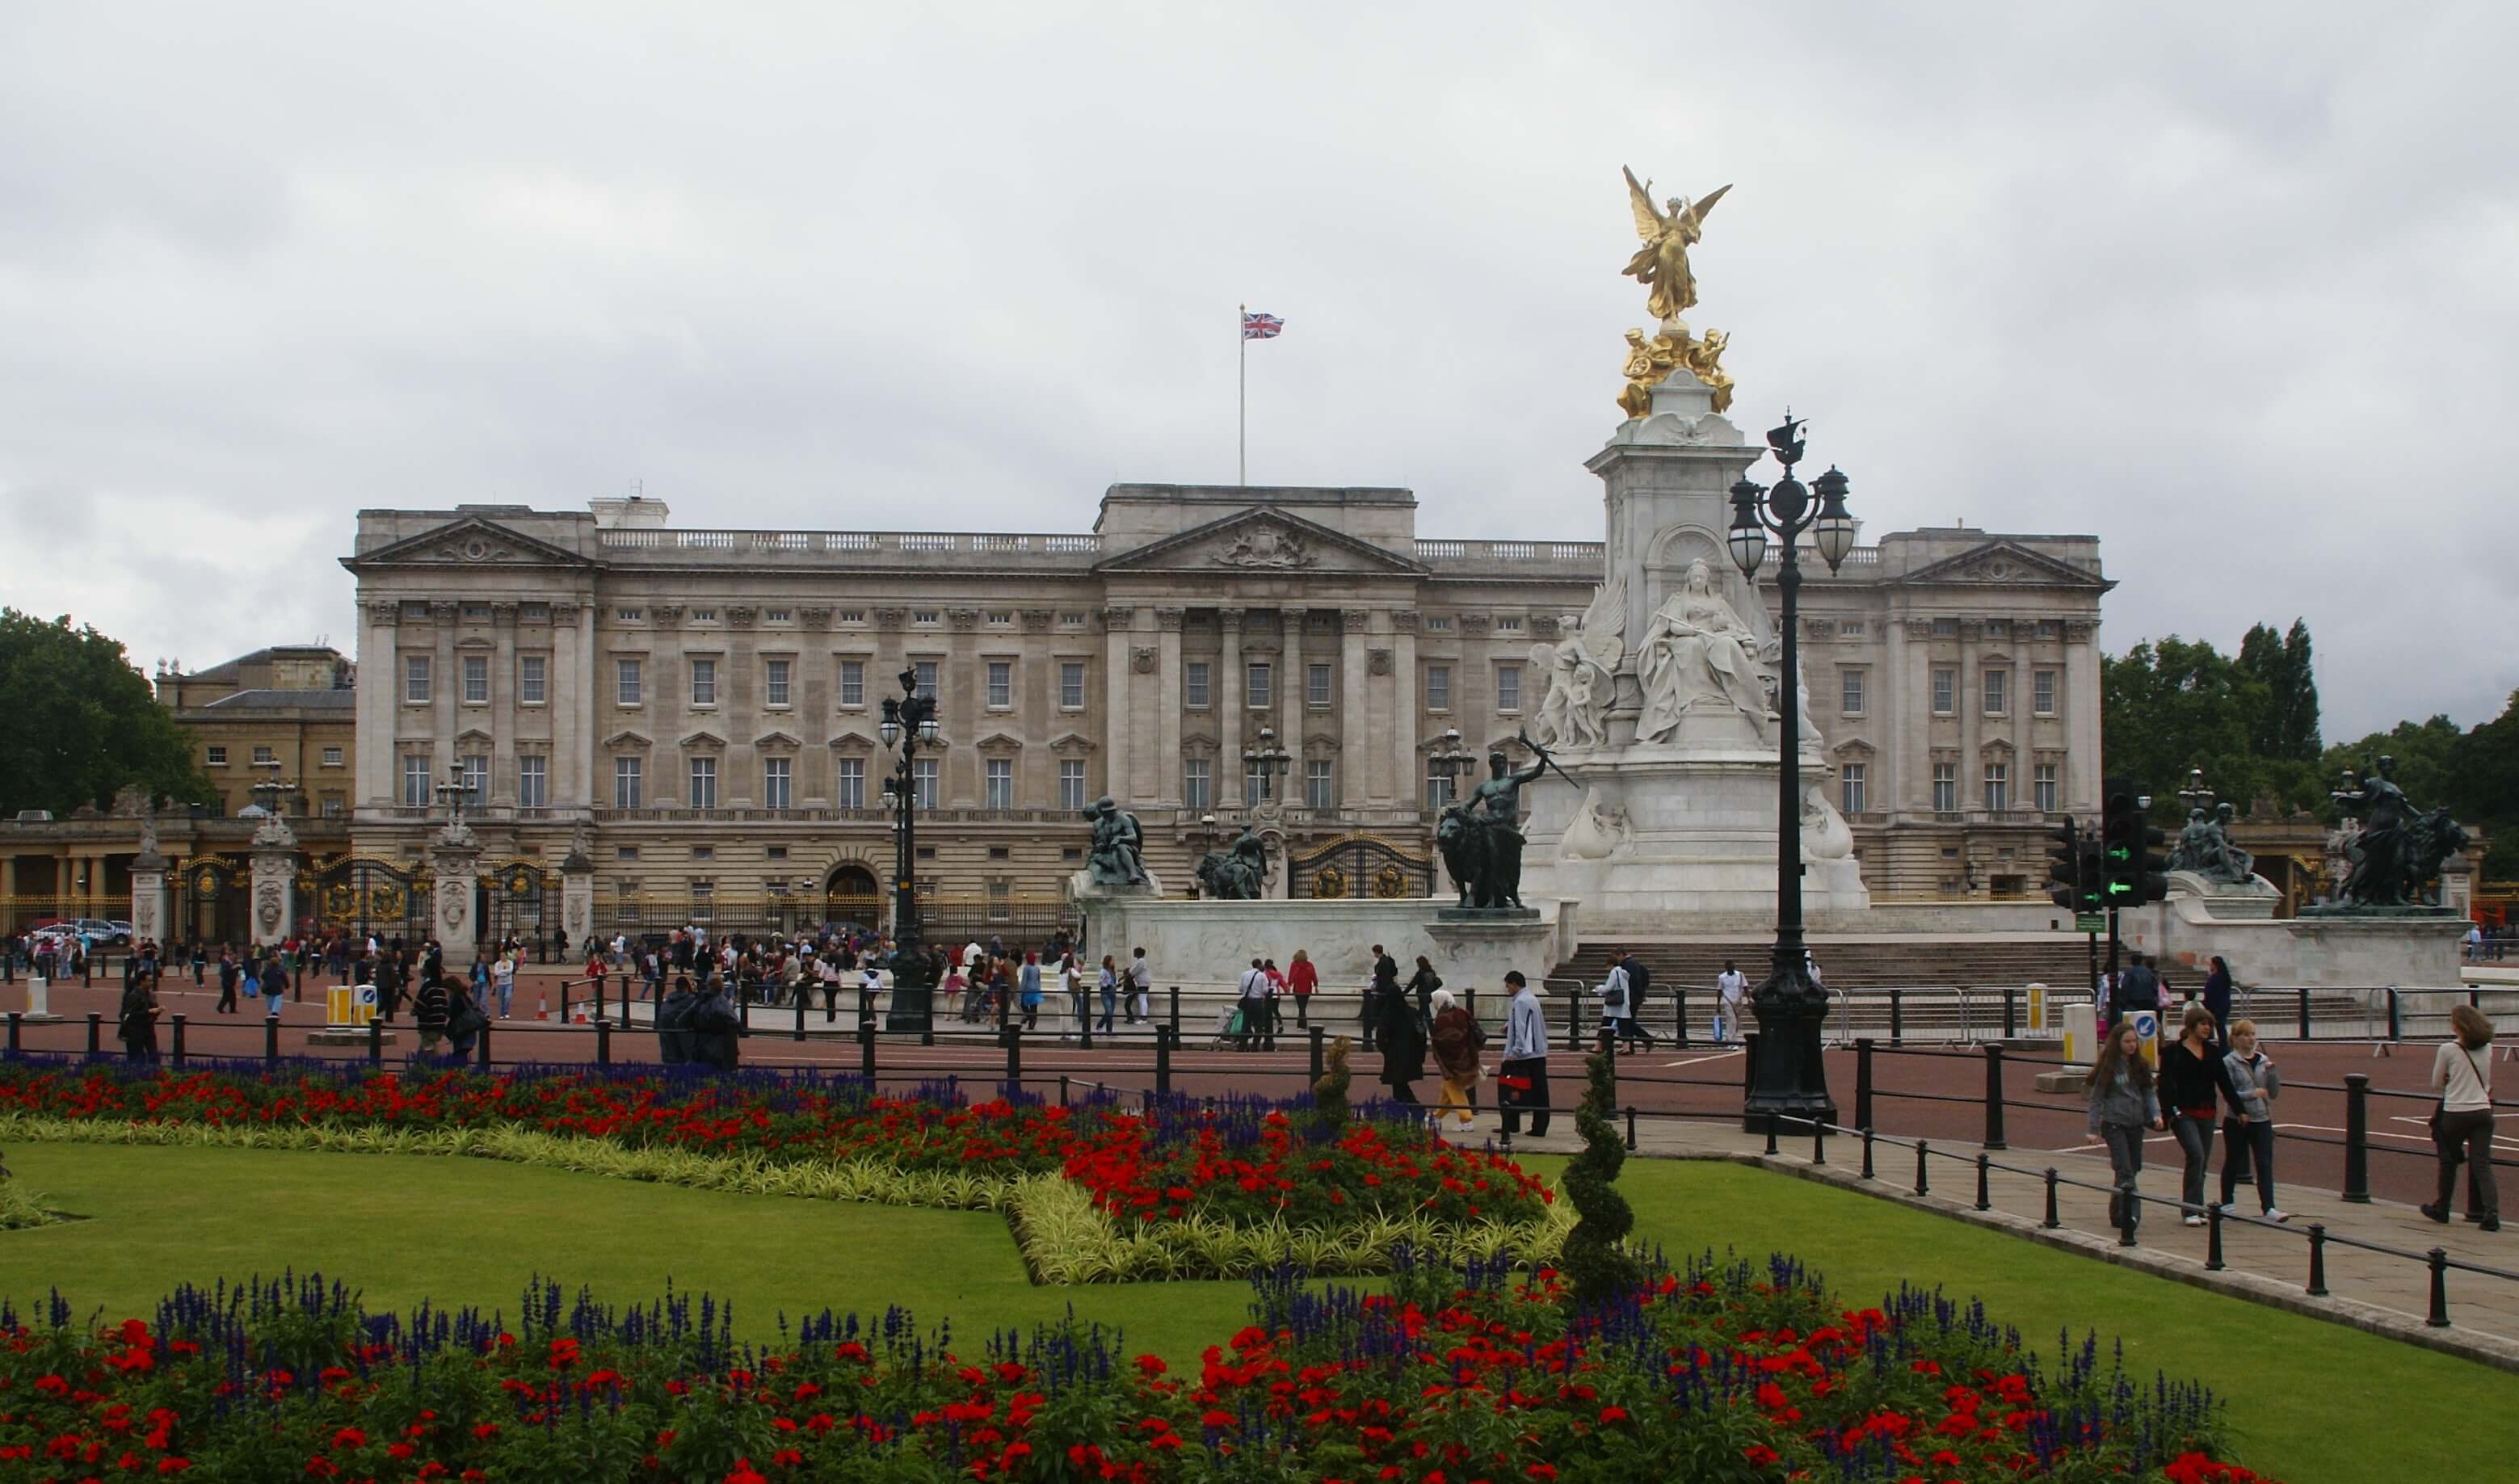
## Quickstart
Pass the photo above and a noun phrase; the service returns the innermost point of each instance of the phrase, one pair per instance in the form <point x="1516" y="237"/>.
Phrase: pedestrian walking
<point x="465" y="1021"/>
<point x="273" y="978"/>
<point x="503" y="978"/>
<point x="1456" y="1040"/>
<point x="2122" y="1104"/>
<point x="1404" y="1050"/>
<point x="1109" y="984"/>
<point x="139" y="1027"/>
<point x="1618" y="1009"/>
<point x="715" y="1027"/>
<point x="2462" y="1124"/>
<point x="1028" y="985"/>
<point x="2248" y="1133"/>
<point x="229" y="972"/>
<point x="1302" y="978"/>
<point x="1728" y="987"/>
<point x="674" y="1023"/>
<point x="1080" y="1004"/>
<point x="1521" y="1080"/>
<point x="2192" y="1083"/>
<point x="1250" y="1004"/>
<point x="1142" y="986"/>
<point x="2217" y="999"/>
<point x="1384" y="988"/>
<point x="1422" y="985"/>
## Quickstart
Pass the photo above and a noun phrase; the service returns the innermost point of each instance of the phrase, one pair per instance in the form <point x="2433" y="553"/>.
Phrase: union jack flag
<point x="1257" y="327"/>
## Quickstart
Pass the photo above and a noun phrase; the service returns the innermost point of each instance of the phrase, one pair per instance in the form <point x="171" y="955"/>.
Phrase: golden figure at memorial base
<point x="1661" y="264"/>
<point x="1648" y="361"/>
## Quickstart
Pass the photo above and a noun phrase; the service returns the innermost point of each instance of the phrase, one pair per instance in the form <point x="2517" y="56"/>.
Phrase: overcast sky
<point x="2230" y="286"/>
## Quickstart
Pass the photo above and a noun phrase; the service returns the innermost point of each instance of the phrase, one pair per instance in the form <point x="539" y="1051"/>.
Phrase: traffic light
<point x="2064" y="865"/>
<point x="2131" y="872"/>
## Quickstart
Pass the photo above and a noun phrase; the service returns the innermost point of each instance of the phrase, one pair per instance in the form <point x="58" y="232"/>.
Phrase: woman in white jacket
<point x="2462" y="1075"/>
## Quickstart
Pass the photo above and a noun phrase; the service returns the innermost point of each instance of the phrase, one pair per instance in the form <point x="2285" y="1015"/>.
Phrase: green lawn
<point x="2314" y="1403"/>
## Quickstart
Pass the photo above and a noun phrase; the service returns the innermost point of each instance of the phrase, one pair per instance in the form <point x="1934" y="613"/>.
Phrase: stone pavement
<point x="2381" y="1292"/>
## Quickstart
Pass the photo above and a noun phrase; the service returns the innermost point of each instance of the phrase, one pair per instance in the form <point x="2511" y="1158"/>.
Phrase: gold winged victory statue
<point x="1662" y="266"/>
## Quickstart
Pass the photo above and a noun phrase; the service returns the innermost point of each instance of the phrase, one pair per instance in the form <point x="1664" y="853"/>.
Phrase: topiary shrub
<point x="1596" y="1262"/>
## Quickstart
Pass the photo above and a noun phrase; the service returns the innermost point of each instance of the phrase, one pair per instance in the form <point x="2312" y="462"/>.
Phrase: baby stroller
<point x="1228" y="1030"/>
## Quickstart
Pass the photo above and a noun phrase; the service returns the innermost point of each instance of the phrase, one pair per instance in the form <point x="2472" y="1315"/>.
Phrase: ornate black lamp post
<point x="1452" y="759"/>
<point x="1789" y="1078"/>
<point x="908" y="722"/>
<point x="1266" y="763"/>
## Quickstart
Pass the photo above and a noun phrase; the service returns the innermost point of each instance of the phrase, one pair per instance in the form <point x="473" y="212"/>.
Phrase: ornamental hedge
<point x="1723" y="1373"/>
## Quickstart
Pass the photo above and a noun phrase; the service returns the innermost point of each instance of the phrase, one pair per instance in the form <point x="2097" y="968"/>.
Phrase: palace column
<point x="503" y="706"/>
<point x="377" y="695"/>
<point x="1118" y="720"/>
<point x="2080" y="717"/>
<point x="1404" y="708"/>
<point x="444" y="690"/>
<point x="1232" y="697"/>
<point x="1168" y="665"/>
<point x="569" y="716"/>
<point x="1292" y="700"/>
<point x="1355" y="783"/>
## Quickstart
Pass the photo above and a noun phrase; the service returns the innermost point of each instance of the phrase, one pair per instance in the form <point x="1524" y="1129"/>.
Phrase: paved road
<point x="1937" y="1093"/>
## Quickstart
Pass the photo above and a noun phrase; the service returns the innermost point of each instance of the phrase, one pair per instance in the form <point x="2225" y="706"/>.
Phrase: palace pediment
<point x="472" y="542"/>
<point x="1264" y="541"/>
<point x="2003" y="564"/>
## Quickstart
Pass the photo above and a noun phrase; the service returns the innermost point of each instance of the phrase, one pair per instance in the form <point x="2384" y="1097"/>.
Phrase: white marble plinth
<point x="1663" y="832"/>
<point x="2197" y="897"/>
<point x="1212" y="943"/>
<point x="2303" y="952"/>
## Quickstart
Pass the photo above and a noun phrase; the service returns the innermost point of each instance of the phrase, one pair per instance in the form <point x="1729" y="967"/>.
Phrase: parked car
<point x="121" y="932"/>
<point x="99" y="931"/>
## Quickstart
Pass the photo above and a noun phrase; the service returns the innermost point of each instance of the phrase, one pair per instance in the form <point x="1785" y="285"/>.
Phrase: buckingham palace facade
<point x="706" y="702"/>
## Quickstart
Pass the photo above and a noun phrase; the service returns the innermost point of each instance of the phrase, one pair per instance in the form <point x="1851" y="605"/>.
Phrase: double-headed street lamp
<point x="1265" y="761"/>
<point x="1789" y="1078"/>
<point x="908" y="722"/>
<point x="1452" y="759"/>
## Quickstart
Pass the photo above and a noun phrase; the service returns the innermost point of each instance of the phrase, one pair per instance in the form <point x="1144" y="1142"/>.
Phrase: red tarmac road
<point x="1934" y="1093"/>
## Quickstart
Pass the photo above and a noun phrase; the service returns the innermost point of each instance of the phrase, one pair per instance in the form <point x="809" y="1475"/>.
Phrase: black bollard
<point x="1012" y="1036"/>
<point x="2356" y="1138"/>
<point x="866" y="1051"/>
<point x="1863" y="1082"/>
<point x="800" y="1012"/>
<point x="1994" y="1098"/>
<point x="602" y="1043"/>
<point x="376" y="1043"/>
<point x="1173" y="1016"/>
<point x="1319" y="1053"/>
<point x="483" y="1048"/>
<point x="179" y="1040"/>
<point x="1163" y="1062"/>
<point x="270" y="1038"/>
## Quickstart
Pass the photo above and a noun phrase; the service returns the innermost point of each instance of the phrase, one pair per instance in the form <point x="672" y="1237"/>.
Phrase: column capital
<point x="384" y="613"/>
<point x="1230" y="619"/>
<point x="1169" y="618"/>
<point x="1117" y="615"/>
<point x="1356" y="620"/>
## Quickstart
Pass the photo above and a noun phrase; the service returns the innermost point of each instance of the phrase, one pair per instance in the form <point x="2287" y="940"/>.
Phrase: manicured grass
<point x="2310" y="1402"/>
<point x="475" y="1231"/>
<point x="2313" y="1403"/>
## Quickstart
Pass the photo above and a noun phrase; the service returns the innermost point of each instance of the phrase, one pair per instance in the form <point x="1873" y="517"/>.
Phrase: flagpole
<point x="1242" y="403"/>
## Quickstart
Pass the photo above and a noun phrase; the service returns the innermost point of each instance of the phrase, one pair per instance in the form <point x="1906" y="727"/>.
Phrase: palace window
<point x="1998" y="691"/>
<point x="415" y="677"/>
<point x="1508" y="623"/>
<point x="924" y="676"/>
<point x="1001" y="782"/>
<point x="215" y="756"/>
<point x="1946" y="788"/>
<point x="532" y="680"/>
<point x="922" y="781"/>
<point x="852" y="683"/>
<point x="625" y="782"/>
<point x="1946" y="627"/>
<point x="625" y="681"/>
<point x="1439" y="687"/>
<point x="851" y="785"/>
<point x="264" y="757"/>
<point x="1508" y="687"/>
<point x="1194" y="685"/>
<point x="531" y="792"/>
<point x="2042" y="782"/>
<point x="703" y="683"/>
<point x="1849" y="700"/>
<point x="1946" y="684"/>
<point x="331" y="757"/>
<point x="1438" y="786"/>
<point x="476" y="779"/>
<point x="1194" y="784"/>
<point x="773" y="682"/>
<point x="1849" y="788"/>
<point x="415" y="780"/>
<point x="1070" y="685"/>
<point x="703" y="615"/>
<point x="1320" y="787"/>
<point x="476" y="679"/>
<point x="703" y="783"/>
<point x="776" y="615"/>
<point x="1001" y="684"/>
<point x="1998" y="786"/>
<point x="2042" y="692"/>
<point x="778" y="783"/>
<point x="1070" y="783"/>
<point x="1316" y="685"/>
<point x="1257" y="692"/>
<point x="1439" y="624"/>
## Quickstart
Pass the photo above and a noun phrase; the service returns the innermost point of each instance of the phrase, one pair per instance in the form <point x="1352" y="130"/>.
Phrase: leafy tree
<point x="2422" y="753"/>
<point x="2483" y="786"/>
<point x="82" y="721"/>
<point x="2287" y="727"/>
<point x="2173" y="705"/>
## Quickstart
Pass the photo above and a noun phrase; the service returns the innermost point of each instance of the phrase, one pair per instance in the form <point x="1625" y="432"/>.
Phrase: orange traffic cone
<point x="541" y="1005"/>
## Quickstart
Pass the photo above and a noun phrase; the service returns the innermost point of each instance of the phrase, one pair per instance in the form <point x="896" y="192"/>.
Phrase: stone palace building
<point x="706" y="702"/>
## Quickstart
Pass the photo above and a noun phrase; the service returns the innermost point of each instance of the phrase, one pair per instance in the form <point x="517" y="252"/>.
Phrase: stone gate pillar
<point x="577" y="893"/>
<point x="273" y="909"/>
<point x="455" y="910"/>
<point x="149" y="915"/>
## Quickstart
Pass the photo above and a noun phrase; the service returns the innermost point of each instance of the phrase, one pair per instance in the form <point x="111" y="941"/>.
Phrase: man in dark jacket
<point x="428" y="1007"/>
<point x="674" y="1023"/>
<point x="715" y="1027"/>
<point x="1385" y="992"/>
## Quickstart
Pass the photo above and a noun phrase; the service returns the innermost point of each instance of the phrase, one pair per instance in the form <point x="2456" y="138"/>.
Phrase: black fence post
<point x="1162" y="1060"/>
<point x="2317" y="1266"/>
<point x="1994" y="1098"/>
<point x="1819" y="1141"/>
<point x="602" y="1042"/>
<point x="179" y="1039"/>
<point x="2212" y="1238"/>
<point x="2011" y="1012"/>
<point x="1012" y="1036"/>
<point x="1897" y="1017"/>
<point x="743" y="1008"/>
<point x="96" y="1034"/>
<point x="1679" y="1016"/>
<point x="2356" y="1138"/>
<point x="1771" y="1130"/>
<point x="483" y="1048"/>
<point x="1863" y="1082"/>
<point x="1631" y="1128"/>
<point x="2304" y="1014"/>
<point x="14" y="1017"/>
<point x="1173" y="1015"/>
<point x="1867" y="1153"/>
<point x="1574" y="1021"/>
<point x="2054" y="1220"/>
<point x="270" y="1037"/>
<point x="625" y="1000"/>
<point x="376" y="1043"/>
<point x="799" y="1033"/>
<point x="1984" y="1183"/>
<point x="1319" y="1064"/>
<point x="2438" y="1319"/>
<point x="2396" y="1025"/>
<point x="1923" y="1182"/>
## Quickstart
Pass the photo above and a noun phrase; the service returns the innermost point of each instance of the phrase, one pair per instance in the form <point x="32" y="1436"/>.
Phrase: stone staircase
<point x="1846" y="962"/>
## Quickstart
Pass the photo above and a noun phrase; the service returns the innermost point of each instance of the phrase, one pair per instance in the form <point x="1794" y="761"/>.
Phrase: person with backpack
<point x="714" y="1029"/>
<point x="2248" y="1133"/>
<point x="2137" y="988"/>
<point x="2122" y="1104"/>
<point x="672" y="1023"/>
<point x="1639" y="992"/>
<point x="2462" y="1124"/>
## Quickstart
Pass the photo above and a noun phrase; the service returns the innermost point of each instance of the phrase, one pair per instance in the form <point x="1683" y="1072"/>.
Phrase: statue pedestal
<point x="1696" y="835"/>
<point x="2201" y="896"/>
<point x="2368" y="948"/>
